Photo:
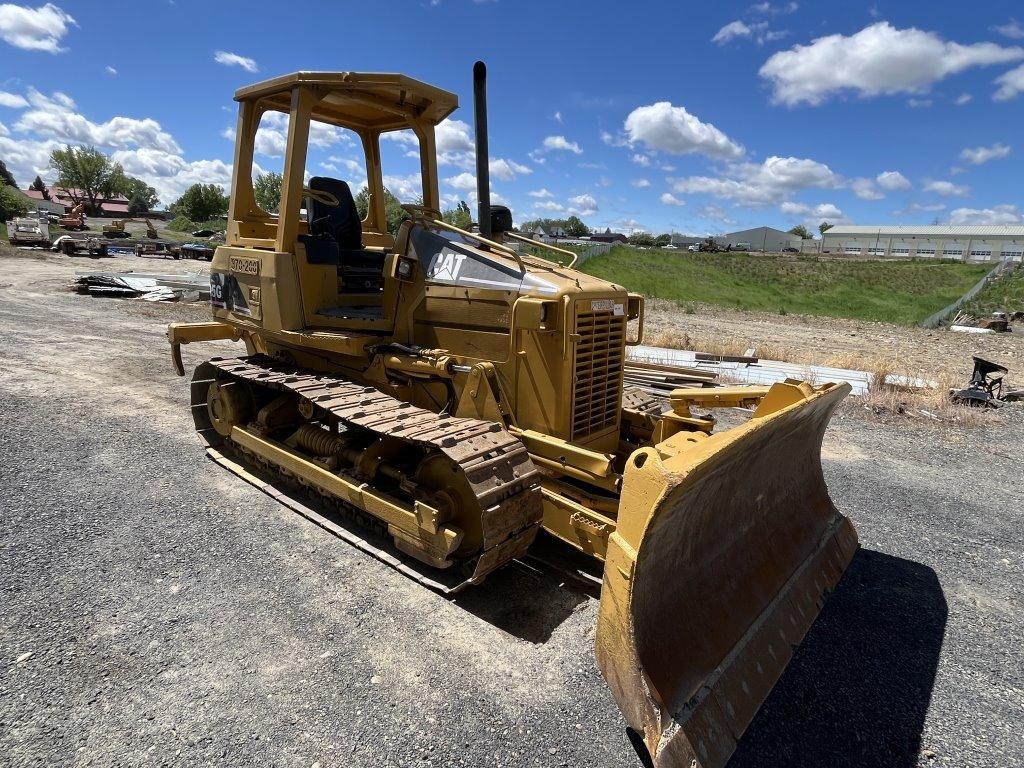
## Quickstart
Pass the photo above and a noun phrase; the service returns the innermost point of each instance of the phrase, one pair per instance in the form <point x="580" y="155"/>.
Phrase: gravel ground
<point x="159" y="611"/>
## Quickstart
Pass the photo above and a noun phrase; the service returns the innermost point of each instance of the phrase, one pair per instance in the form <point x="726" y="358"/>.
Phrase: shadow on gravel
<point x="857" y="689"/>
<point x="530" y="598"/>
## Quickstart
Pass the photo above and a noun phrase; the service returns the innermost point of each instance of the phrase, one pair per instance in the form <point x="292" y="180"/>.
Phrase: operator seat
<point x="341" y="222"/>
<point x="361" y="271"/>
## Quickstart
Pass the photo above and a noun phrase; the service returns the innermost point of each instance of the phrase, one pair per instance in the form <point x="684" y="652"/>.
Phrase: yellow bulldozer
<point x="461" y="399"/>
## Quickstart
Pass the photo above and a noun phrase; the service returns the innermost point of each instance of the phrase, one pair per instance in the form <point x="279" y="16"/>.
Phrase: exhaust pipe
<point x="483" y="181"/>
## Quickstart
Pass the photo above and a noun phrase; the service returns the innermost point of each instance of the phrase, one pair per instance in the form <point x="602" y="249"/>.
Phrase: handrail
<point x="484" y="240"/>
<point x="574" y="256"/>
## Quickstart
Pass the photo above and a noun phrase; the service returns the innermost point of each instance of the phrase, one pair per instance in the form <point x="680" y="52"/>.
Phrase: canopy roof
<point x="369" y="100"/>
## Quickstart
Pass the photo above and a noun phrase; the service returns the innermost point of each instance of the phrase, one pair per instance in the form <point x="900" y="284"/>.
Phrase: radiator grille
<point x="597" y="372"/>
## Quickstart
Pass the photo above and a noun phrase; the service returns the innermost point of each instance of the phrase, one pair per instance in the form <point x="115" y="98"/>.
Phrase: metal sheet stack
<point x="661" y="379"/>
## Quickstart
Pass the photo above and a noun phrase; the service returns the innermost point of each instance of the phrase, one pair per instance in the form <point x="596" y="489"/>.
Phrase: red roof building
<point x="109" y="206"/>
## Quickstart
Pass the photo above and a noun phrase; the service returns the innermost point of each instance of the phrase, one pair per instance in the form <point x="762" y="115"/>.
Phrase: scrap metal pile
<point x="149" y="287"/>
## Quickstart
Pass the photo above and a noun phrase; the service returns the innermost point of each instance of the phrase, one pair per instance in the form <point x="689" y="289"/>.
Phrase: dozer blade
<point x="723" y="554"/>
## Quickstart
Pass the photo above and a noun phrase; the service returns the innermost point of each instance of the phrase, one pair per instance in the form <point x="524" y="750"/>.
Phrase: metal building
<point x="974" y="242"/>
<point x="766" y="239"/>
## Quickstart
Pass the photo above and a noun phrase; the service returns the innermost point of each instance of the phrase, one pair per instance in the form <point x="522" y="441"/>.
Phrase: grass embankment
<point x="1005" y="294"/>
<point x="903" y="292"/>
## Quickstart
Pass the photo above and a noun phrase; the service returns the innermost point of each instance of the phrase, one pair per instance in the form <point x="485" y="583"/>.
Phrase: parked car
<point x="791" y="249"/>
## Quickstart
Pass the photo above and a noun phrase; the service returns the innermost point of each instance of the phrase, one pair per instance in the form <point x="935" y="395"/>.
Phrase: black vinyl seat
<point x="336" y="237"/>
<point x="341" y="221"/>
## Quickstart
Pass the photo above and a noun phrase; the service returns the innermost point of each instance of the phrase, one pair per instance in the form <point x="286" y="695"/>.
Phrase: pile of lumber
<point x="660" y="379"/>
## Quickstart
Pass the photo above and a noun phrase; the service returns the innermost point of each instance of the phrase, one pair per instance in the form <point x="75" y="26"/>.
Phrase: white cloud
<point x="463" y="181"/>
<point x="352" y="167"/>
<point x="1010" y="84"/>
<point x="558" y="117"/>
<point x="919" y="103"/>
<point x="561" y="143"/>
<point x="4" y="131"/>
<point x="34" y="29"/>
<point x="665" y="127"/>
<point x="715" y="213"/>
<point x="920" y="208"/>
<point x="405" y="188"/>
<point x="755" y="30"/>
<point x="790" y="7"/>
<point x="814" y="214"/>
<point x="54" y="117"/>
<point x="507" y="170"/>
<point x="550" y="206"/>
<point x="272" y="135"/>
<point x="963" y="98"/>
<point x="453" y="136"/>
<point x="879" y="59"/>
<point x="540" y="193"/>
<point x="640" y="183"/>
<point x="110" y="70"/>
<point x="169" y="173"/>
<point x="27" y="158"/>
<point x="731" y="31"/>
<point x="583" y="205"/>
<point x="12" y="100"/>
<point x="229" y="59"/>
<point x="669" y="199"/>
<point x="946" y="188"/>
<point x="612" y="140"/>
<point x="999" y="214"/>
<point x="1012" y="29"/>
<point x="892" y="180"/>
<point x="979" y="155"/>
<point x="639" y="159"/>
<point x="752" y="185"/>
<point x="865" y="189"/>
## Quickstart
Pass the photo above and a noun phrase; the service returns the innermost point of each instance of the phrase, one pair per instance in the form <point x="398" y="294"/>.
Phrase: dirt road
<point x="158" y="611"/>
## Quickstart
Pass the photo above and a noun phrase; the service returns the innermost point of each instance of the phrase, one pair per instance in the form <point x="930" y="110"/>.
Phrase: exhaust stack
<point x="483" y="181"/>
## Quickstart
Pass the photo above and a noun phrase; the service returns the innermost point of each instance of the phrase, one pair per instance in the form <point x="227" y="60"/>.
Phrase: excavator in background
<point x="459" y="399"/>
<point x="116" y="228"/>
<point x="73" y="219"/>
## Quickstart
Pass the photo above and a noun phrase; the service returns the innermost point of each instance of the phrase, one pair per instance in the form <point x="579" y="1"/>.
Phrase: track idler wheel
<point x="228" y="403"/>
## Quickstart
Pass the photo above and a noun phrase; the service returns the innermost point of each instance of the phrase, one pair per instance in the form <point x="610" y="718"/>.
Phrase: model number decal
<point x="245" y="266"/>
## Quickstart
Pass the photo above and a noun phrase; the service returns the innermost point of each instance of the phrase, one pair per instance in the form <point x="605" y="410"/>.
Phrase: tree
<point x="267" y="188"/>
<point x="800" y="231"/>
<point x="139" y="192"/>
<point x="393" y="211"/>
<point x="824" y="227"/>
<point x="662" y="240"/>
<point x="576" y="228"/>
<point x="12" y="203"/>
<point x="6" y="177"/>
<point x="38" y="186"/>
<point x="202" y="202"/>
<point x="87" y="174"/>
<point x="642" y="239"/>
<point x="459" y="216"/>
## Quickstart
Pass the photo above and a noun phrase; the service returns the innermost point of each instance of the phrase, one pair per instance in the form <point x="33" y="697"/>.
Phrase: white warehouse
<point x="973" y="242"/>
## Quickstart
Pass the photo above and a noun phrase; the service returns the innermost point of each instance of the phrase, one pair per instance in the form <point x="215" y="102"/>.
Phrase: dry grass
<point x="925" y="404"/>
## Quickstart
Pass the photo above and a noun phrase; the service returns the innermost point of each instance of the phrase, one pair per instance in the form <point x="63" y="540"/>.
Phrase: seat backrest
<point x="341" y="221"/>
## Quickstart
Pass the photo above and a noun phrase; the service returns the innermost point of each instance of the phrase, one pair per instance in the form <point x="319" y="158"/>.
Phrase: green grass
<point x="903" y="292"/>
<point x="1003" y="295"/>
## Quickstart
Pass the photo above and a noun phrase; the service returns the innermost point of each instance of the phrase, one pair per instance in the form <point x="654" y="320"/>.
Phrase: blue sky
<point x="691" y="117"/>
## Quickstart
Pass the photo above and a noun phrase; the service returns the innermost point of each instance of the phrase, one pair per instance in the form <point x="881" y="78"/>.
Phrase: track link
<point x="495" y="463"/>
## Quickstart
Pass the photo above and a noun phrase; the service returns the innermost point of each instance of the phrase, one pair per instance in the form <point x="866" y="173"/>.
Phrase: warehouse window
<point x="926" y="250"/>
<point x="1015" y="252"/>
<point x="902" y="251"/>
<point x="953" y="250"/>
<point x="981" y="253"/>
<point x="876" y="251"/>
